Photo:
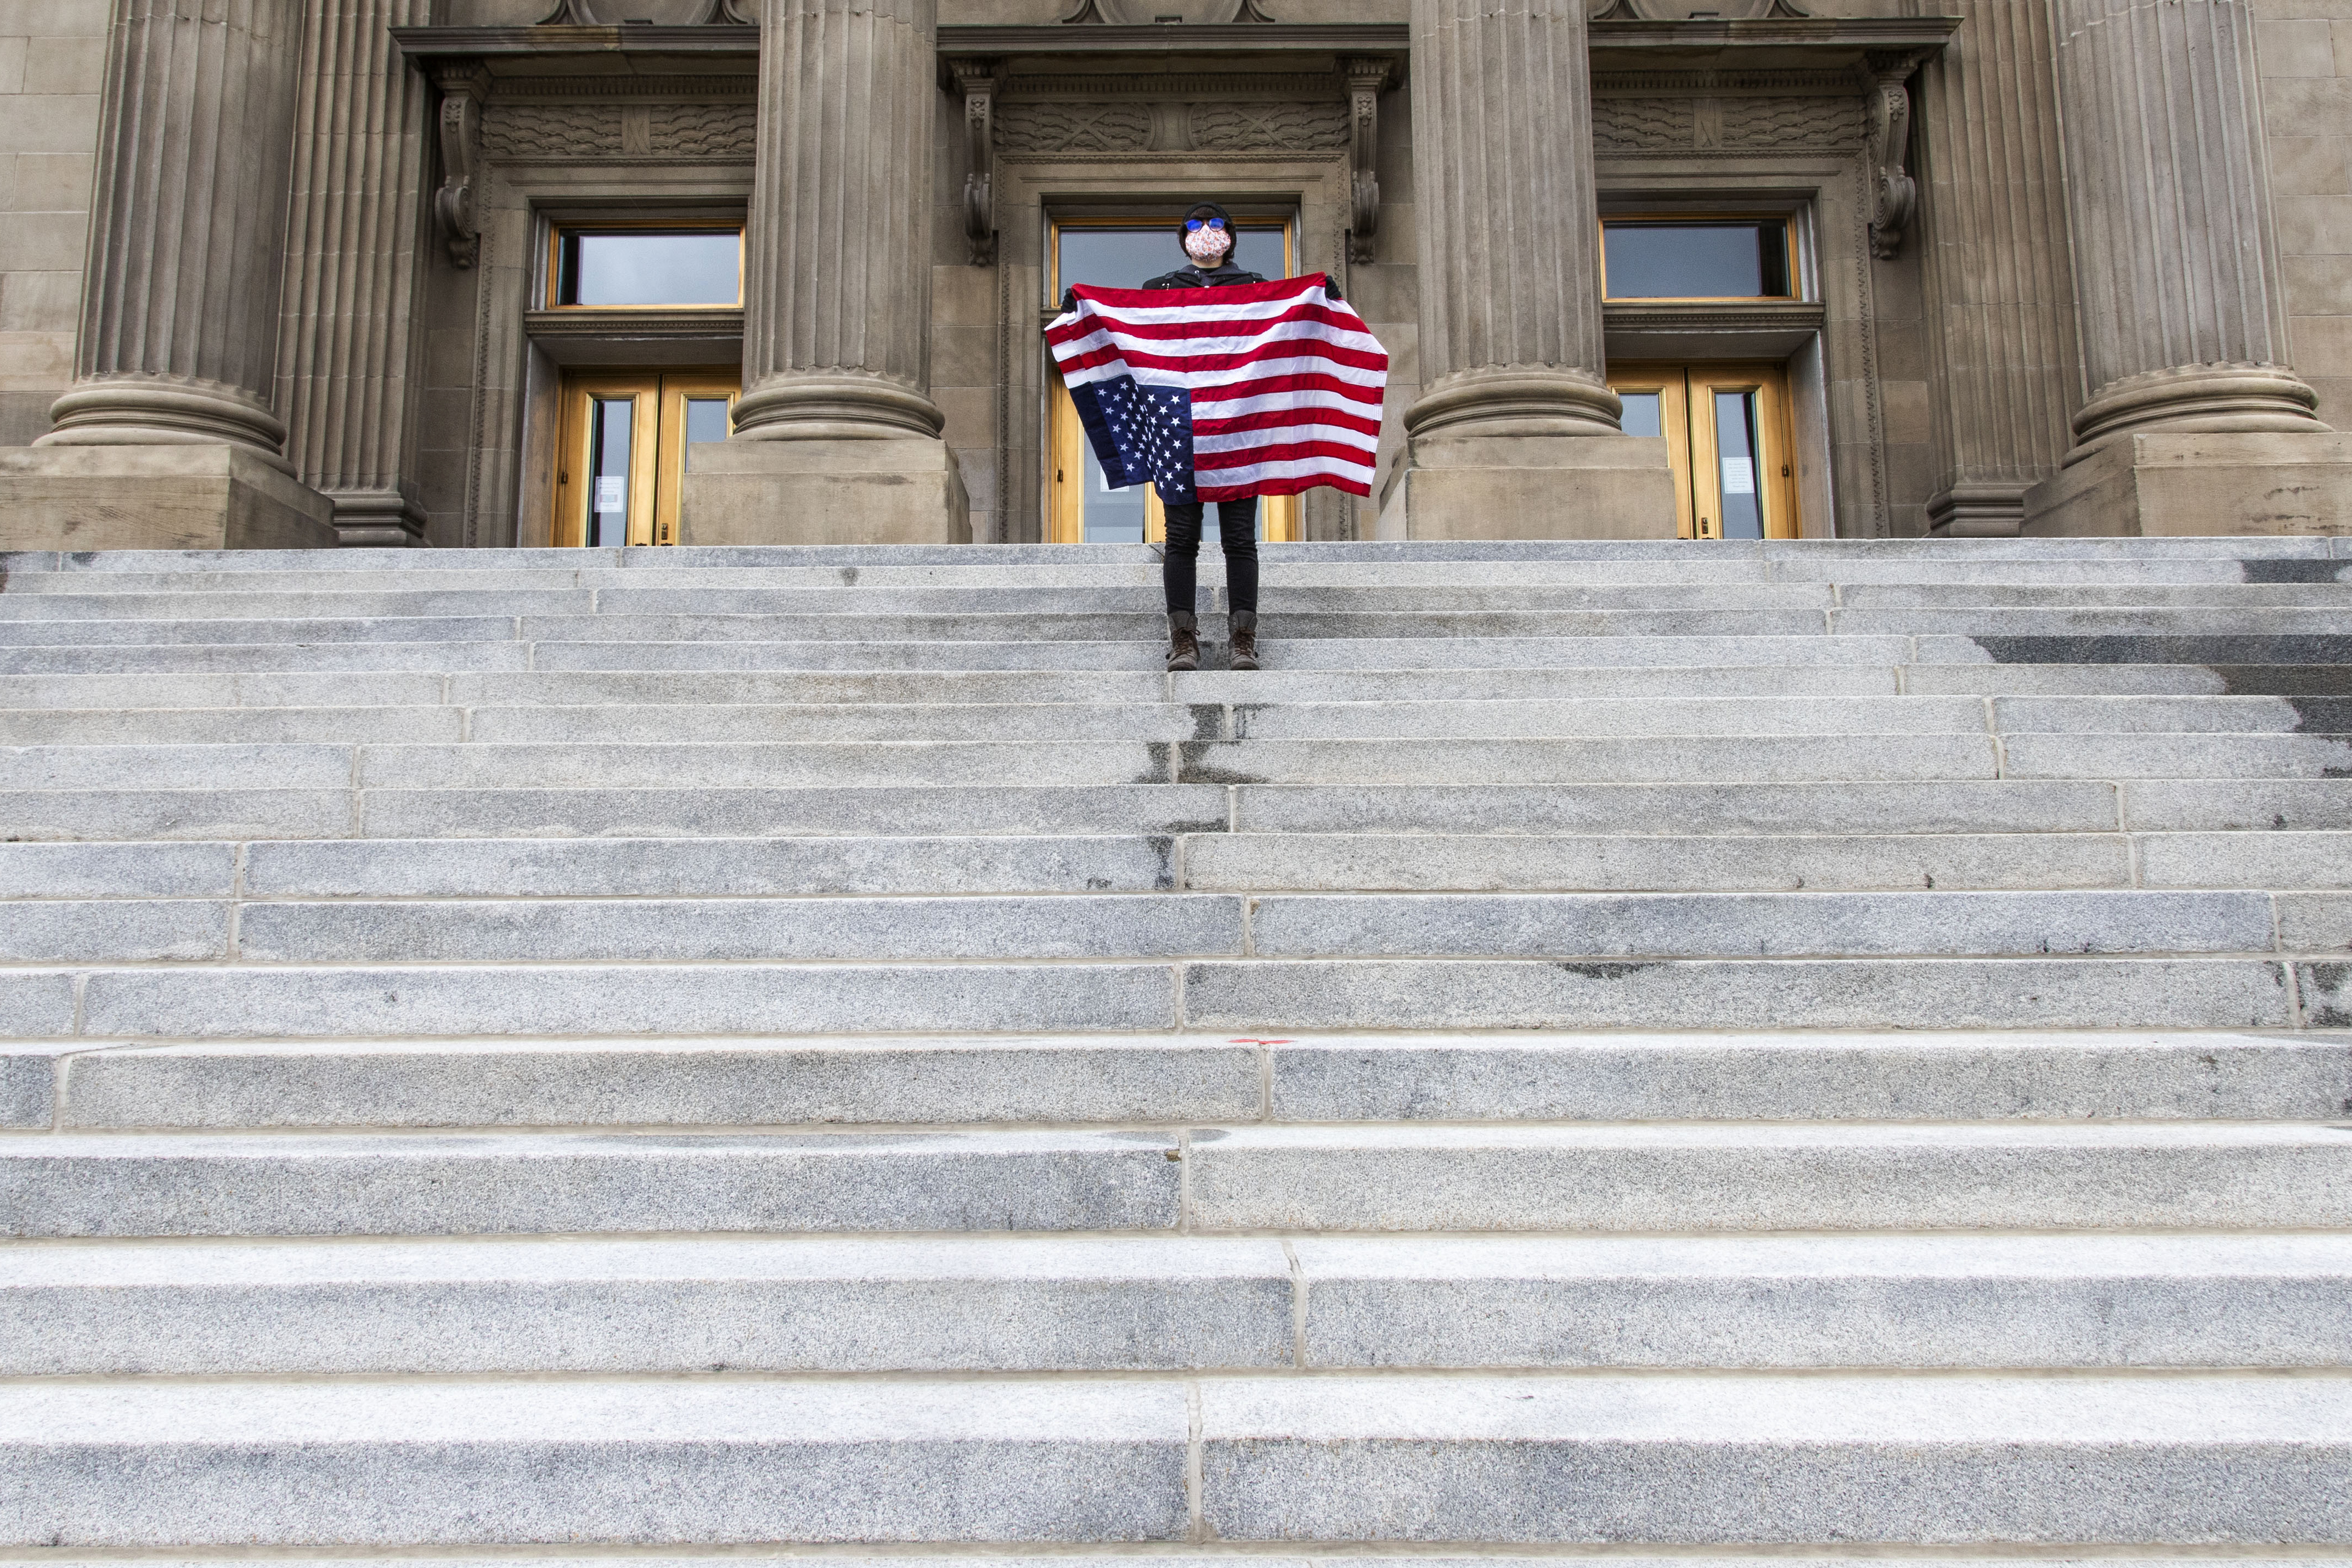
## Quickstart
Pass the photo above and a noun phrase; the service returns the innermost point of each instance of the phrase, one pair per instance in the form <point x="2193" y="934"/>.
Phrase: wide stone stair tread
<point x="1080" y="1078"/>
<point x="1658" y="1458"/>
<point x="1638" y="1178"/>
<point x="1833" y="1046"/>
<point x="883" y="1304"/>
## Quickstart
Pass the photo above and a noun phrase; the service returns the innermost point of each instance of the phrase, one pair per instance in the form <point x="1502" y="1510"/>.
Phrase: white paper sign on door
<point x="1738" y="476"/>
<point x="612" y="494"/>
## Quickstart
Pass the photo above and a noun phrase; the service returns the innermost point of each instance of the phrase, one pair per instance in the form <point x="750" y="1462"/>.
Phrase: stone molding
<point x="722" y="131"/>
<point x="1689" y="123"/>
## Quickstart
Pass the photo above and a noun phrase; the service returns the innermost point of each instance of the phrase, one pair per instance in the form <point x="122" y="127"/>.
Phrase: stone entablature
<point x="401" y="367"/>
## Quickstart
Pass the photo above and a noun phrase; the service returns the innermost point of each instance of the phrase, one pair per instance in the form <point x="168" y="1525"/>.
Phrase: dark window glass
<point x="646" y="267"/>
<point x="608" y="468"/>
<point x="1734" y="458"/>
<point x="1662" y="260"/>
<point x="1126" y="258"/>
<point x="705" y="421"/>
<point x="1642" y="414"/>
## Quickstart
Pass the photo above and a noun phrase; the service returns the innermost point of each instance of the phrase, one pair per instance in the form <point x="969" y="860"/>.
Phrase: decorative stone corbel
<point x="1366" y="81"/>
<point x="977" y="81"/>
<point x="462" y="91"/>
<point x="1895" y="196"/>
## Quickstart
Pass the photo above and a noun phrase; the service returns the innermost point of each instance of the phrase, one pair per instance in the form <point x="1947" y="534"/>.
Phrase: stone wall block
<point x="179" y="331"/>
<point x="838" y="264"/>
<point x="2175" y="263"/>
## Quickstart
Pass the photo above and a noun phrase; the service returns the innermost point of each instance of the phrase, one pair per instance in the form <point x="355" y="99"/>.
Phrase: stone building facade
<point x="425" y="271"/>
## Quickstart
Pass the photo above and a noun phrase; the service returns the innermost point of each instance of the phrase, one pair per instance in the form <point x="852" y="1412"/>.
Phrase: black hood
<point x="1209" y="209"/>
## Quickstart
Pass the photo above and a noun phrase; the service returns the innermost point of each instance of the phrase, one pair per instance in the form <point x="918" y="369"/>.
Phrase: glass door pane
<point x="1739" y="506"/>
<point x="607" y="519"/>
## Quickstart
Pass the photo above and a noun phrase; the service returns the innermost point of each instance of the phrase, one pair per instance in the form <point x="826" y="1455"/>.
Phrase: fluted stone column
<point x="167" y="436"/>
<point x="837" y="266"/>
<point x="2175" y="277"/>
<point x="1514" y="433"/>
<point x="179" y="327"/>
<point x="836" y="439"/>
<point x="2004" y="370"/>
<point x="2184" y="322"/>
<point x="352" y="260"/>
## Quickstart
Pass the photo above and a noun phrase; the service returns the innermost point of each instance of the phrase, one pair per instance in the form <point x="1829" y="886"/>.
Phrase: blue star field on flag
<point x="1142" y="435"/>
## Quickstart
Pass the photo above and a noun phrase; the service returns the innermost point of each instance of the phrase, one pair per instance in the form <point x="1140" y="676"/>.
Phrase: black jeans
<point x="1180" y="568"/>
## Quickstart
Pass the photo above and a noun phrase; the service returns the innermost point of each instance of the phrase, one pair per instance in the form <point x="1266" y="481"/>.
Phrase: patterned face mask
<point x="1207" y="245"/>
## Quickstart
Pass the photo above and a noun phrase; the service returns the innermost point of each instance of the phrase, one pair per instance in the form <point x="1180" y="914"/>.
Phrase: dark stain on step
<point x="2210" y="649"/>
<point x="1197" y="765"/>
<point x="2293" y="569"/>
<point x="2324" y="1004"/>
<point x="1208" y="721"/>
<point x="1608" y="971"/>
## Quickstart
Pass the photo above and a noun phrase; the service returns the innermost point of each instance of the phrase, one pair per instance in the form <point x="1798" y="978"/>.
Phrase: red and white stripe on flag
<point x="1285" y="382"/>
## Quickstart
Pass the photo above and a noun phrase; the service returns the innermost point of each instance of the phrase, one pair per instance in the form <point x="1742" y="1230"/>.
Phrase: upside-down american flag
<point x="1255" y="389"/>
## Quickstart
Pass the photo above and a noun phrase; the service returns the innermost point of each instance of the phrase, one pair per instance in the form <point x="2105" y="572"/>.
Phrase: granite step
<point x="1653" y="1458"/>
<point x="1649" y="1177"/>
<point x="833" y="1305"/>
<point x="1094" y="1078"/>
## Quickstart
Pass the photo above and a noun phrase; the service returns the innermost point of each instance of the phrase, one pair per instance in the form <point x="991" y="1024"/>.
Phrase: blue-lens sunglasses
<point x="1192" y="223"/>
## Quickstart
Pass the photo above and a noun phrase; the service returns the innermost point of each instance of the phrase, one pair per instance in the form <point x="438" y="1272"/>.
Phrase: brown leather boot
<point x="1183" y="642"/>
<point x="1243" y="623"/>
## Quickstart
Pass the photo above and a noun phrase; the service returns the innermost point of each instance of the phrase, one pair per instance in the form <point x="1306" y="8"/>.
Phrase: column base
<point x="1531" y="487"/>
<point x="156" y="498"/>
<point x="1978" y="511"/>
<point x="824" y="492"/>
<point x="2201" y="482"/>
<point x="378" y="519"/>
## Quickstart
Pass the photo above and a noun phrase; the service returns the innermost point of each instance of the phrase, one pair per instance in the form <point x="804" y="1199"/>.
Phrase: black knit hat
<point x="1209" y="209"/>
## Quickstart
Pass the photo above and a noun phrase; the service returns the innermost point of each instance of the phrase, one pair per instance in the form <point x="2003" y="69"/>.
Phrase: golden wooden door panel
<point x="1730" y="437"/>
<point x="622" y="450"/>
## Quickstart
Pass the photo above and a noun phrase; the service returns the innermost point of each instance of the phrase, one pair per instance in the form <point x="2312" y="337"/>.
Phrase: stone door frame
<point x="1031" y="188"/>
<point x="1834" y="389"/>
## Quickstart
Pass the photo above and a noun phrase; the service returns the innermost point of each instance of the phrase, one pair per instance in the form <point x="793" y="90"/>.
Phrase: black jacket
<point x="1223" y="275"/>
<point x="1218" y="277"/>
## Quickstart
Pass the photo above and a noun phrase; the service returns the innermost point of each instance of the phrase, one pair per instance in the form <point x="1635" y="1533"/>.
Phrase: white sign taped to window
<point x="611" y="492"/>
<point x="1738" y="476"/>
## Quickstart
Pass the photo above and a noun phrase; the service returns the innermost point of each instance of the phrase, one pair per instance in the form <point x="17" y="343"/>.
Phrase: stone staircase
<point x="1729" y="1047"/>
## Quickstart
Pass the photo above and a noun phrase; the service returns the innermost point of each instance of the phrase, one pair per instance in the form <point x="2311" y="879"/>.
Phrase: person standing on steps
<point x="1282" y="380"/>
<point x="1207" y="236"/>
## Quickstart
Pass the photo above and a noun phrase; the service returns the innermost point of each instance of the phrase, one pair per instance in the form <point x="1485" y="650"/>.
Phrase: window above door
<point x="637" y="266"/>
<point x="1693" y="257"/>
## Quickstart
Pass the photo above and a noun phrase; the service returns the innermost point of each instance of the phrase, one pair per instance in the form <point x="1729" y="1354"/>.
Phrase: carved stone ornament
<point x="1366" y="81"/>
<point x="1895" y="196"/>
<point x="1231" y="126"/>
<point x="460" y="134"/>
<point x="1089" y="126"/>
<point x="572" y="14"/>
<point x="977" y="80"/>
